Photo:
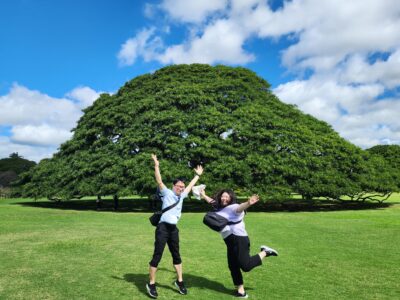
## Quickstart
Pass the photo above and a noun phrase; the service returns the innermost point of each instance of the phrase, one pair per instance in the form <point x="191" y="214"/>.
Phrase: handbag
<point x="156" y="216"/>
<point x="217" y="222"/>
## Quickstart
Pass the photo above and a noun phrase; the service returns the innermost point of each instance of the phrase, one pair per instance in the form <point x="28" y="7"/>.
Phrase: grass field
<point x="51" y="253"/>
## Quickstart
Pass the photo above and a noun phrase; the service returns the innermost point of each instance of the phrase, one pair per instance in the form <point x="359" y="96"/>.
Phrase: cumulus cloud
<point x="357" y="69"/>
<point x="332" y="30"/>
<point x="352" y="110"/>
<point x="23" y="106"/>
<point x="30" y="152"/>
<point x="84" y="96"/>
<point x="39" y="123"/>
<point x="41" y="135"/>
<point x="193" y="11"/>
<point x="221" y="42"/>
<point x="377" y="124"/>
<point x="144" y="44"/>
<point x="349" y="99"/>
<point x="325" y="32"/>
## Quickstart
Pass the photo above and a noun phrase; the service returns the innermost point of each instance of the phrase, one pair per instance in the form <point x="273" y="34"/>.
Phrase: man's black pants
<point x="166" y="234"/>
<point x="238" y="252"/>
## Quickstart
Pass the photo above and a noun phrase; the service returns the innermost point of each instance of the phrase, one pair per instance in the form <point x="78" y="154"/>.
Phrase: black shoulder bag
<point x="155" y="218"/>
<point x="217" y="222"/>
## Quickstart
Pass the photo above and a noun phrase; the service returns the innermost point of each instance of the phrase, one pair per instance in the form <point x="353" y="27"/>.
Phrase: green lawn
<point x="48" y="253"/>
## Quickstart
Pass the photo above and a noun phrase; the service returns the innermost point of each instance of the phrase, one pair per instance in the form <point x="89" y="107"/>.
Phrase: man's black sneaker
<point x="240" y="295"/>
<point x="269" y="251"/>
<point x="181" y="287"/>
<point x="151" y="290"/>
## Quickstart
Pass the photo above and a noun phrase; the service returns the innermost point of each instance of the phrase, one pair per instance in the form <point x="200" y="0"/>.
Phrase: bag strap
<point x="171" y="206"/>
<point x="233" y="223"/>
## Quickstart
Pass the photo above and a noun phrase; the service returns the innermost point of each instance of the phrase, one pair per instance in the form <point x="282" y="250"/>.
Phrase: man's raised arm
<point x="157" y="173"/>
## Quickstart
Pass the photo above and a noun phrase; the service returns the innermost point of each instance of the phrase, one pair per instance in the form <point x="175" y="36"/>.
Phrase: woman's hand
<point x="253" y="199"/>
<point x="205" y="197"/>
<point x="245" y="205"/>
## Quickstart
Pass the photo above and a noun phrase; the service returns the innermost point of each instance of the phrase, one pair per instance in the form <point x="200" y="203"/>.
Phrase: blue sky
<point x="336" y="60"/>
<point x="54" y="46"/>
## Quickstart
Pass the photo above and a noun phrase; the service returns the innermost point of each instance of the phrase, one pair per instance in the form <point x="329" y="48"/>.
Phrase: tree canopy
<point x="391" y="165"/>
<point x="225" y="118"/>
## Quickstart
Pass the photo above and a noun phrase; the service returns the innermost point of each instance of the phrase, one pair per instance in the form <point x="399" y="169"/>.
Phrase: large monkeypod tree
<point x="225" y="118"/>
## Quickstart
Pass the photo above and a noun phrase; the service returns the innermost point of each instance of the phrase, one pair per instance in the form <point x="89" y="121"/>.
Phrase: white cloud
<point x="42" y="135"/>
<point x="358" y="70"/>
<point x="369" y="129"/>
<point x="259" y="19"/>
<point x="349" y="98"/>
<point x="192" y="11"/>
<point x="336" y="28"/>
<point x="35" y="153"/>
<point x="143" y="44"/>
<point x="149" y="10"/>
<point x="85" y="96"/>
<point x="28" y="107"/>
<point x="221" y="42"/>
<point x="40" y="123"/>
<point x="326" y="31"/>
<point x="352" y="110"/>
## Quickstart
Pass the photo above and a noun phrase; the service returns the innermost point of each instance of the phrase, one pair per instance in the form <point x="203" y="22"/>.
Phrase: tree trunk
<point x="116" y="202"/>
<point x="99" y="202"/>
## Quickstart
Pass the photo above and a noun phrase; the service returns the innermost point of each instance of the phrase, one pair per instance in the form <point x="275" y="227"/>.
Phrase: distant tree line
<point x="10" y="168"/>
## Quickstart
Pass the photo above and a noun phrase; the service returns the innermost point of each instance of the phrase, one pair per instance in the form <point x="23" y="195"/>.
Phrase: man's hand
<point x="199" y="170"/>
<point x="154" y="157"/>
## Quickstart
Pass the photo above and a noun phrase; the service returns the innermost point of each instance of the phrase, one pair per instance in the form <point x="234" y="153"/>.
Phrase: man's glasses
<point x="180" y="186"/>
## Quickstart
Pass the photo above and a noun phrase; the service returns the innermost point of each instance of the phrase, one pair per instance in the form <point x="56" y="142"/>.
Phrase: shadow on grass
<point x="140" y="280"/>
<point x="107" y="205"/>
<point x="144" y="205"/>
<point x="320" y="206"/>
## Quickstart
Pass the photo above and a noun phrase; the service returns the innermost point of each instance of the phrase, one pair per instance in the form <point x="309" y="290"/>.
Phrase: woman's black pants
<point x="238" y="251"/>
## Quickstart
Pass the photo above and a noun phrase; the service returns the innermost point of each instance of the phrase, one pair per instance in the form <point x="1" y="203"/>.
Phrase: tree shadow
<point x="106" y="205"/>
<point x="140" y="280"/>
<point x="318" y="206"/>
<point x="190" y="205"/>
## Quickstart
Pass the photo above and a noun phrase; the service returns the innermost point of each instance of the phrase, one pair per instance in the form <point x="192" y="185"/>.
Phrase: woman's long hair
<point x="218" y="196"/>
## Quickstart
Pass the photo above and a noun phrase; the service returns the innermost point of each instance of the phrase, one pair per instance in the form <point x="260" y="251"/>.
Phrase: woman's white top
<point x="229" y="213"/>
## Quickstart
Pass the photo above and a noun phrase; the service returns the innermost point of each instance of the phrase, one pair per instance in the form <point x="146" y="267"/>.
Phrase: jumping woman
<point x="235" y="236"/>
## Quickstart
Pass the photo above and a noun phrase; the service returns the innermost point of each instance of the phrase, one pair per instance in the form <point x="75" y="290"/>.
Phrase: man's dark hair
<point x="177" y="180"/>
